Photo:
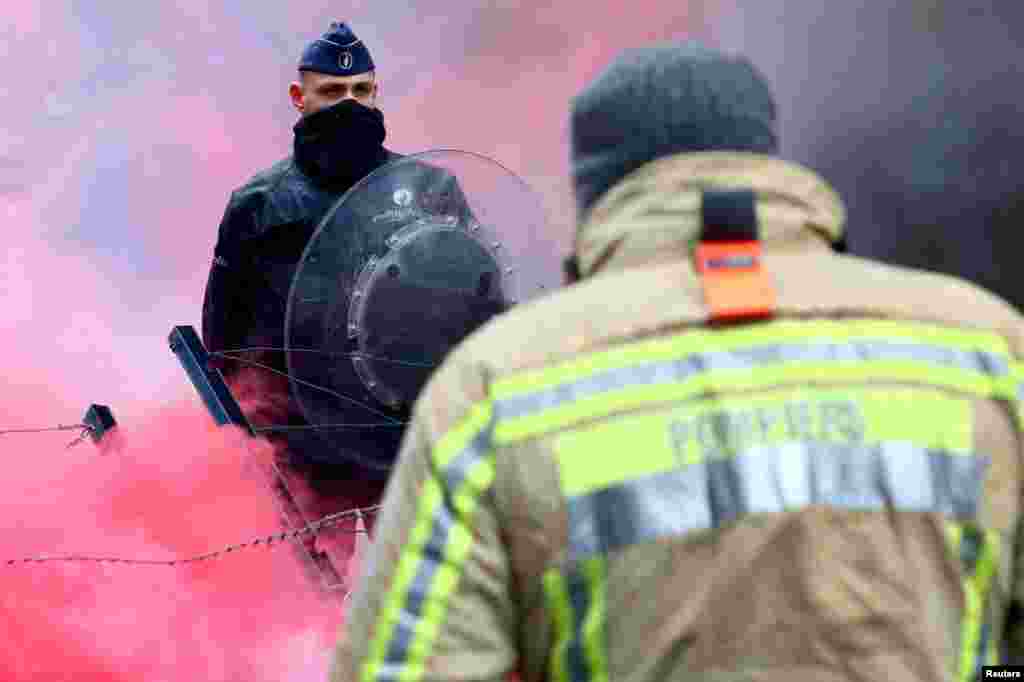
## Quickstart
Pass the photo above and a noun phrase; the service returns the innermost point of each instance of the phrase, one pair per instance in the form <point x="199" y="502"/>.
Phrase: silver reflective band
<point x="765" y="479"/>
<point x="753" y="357"/>
<point x="433" y="556"/>
<point x="412" y="609"/>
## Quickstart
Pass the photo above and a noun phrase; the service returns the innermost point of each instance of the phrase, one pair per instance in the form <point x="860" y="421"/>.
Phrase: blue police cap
<point x="337" y="52"/>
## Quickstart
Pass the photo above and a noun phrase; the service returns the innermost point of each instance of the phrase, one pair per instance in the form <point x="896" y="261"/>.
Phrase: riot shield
<point x="405" y="265"/>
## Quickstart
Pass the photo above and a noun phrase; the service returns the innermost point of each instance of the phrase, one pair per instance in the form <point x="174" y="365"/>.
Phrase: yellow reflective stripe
<point x="641" y="444"/>
<point x="954" y="536"/>
<point x="778" y="332"/>
<point x="1015" y="391"/>
<point x="458" y="439"/>
<point x="977" y="641"/>
<point x="970" y="628"/>
<point x="561" y="613"/>
<point x="924" y="417"/>
<point x="431" y="562"/>
<point x="578" y="605"/>
<point x="601" y="405"/>
<point x="985" y="573"/>
<point x="954" y="532"/>
<point x="992" y="657"/>
<point x="430" y="499"/>
<point x="595" y="642"/>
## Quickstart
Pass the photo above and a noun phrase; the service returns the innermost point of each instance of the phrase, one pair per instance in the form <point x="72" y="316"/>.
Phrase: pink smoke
<point x="176" y="487"/>
<point x="173" y="487"/>
<point x="196" y="94"/>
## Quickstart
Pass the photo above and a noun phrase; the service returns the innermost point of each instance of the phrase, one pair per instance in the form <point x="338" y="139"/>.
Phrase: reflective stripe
<point x="1017" y="391"/>
<point x="559" y="605"/>
<point x="431" y="563"/>
<point x="577" y="603"/>
<point x="985" y="352"/>
<point x="593" y="397"/>
<point x="978" y="552"/>
<point x="751" y="357"/>
<point x="782" y="478"/>
<point x="590" y="628"/>
<point x="756" y="356"/>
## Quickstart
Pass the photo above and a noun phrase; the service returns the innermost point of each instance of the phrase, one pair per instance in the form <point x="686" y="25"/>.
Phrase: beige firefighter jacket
<point x="598" y="486"/>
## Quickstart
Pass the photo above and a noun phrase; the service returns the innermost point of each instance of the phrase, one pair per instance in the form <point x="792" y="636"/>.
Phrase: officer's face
<point x="319" y="90"/>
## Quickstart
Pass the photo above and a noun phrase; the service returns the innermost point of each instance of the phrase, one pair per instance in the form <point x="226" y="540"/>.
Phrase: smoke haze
<point x="126" y="126"/>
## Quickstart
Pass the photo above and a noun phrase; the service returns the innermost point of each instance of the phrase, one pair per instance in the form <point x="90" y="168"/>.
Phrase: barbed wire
<point x="317" y="427"/>
<point x="59" y="427"/>
<point x="265" y="540"/>
<point x="84" y="428"/>
<point x="365" y="356"/>
<point x="310" y="384"/>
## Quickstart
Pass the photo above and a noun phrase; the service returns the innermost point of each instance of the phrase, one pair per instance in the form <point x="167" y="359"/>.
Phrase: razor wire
<point x="85" y="429"/>
<point x="264" y="540"/>
<point x="253" y="363"/>
<point x="333" y="354"/>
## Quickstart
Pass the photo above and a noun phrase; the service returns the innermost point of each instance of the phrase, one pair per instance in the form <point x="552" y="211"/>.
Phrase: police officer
<point x="726" y="453"/>
<point x="268" y="221"/>
<point x="268" y="224"/>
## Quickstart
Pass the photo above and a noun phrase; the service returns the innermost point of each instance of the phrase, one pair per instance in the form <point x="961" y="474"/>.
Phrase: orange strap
<point x="736" y="287"/>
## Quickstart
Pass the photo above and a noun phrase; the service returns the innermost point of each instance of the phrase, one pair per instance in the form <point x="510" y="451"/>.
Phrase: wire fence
<point x="84" y="430"/>
<point x="262" y="541"/>
<point x="266" y="541"/>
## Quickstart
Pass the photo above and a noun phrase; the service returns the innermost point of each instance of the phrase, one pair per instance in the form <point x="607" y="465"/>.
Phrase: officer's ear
<point x="297" y="94"/>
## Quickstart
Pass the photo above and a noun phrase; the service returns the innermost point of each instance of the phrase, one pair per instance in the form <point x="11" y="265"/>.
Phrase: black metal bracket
<point x="208" y="381"/>
<point x="100" y="420"/>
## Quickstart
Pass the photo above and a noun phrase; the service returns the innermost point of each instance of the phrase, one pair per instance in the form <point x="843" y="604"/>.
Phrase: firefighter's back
<point x="726" y="453"/>
<point x="832" y="494"/>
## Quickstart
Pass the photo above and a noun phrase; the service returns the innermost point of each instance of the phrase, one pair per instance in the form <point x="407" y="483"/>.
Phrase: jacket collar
<point x="654" y="214"/>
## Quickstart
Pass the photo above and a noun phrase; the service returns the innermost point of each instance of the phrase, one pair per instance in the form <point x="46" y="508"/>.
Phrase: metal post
<point x="224" y="409"/>
<point x="209" y="382"/>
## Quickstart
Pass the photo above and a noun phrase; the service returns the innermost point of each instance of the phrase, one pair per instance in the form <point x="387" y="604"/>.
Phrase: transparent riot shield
<point x="407" y="263"/>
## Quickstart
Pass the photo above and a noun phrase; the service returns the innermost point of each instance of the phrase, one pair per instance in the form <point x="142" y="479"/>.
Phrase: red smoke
<point x="129" y="131"/>
<point x="168" y="486"/>
<point x="175" y="488"/>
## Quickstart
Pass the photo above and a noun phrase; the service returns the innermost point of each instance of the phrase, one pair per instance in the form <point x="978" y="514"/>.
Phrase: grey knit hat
<point x="666" y="99"/>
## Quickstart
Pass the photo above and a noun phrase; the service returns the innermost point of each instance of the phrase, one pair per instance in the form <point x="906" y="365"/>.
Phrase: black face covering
<point x="341" y="144"/>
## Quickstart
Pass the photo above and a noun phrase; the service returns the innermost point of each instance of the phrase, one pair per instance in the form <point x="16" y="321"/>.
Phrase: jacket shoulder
<point x="261" y="184"/>
<point x="616" y="307"/>
<point x="276" y="195"/>
<point x="899" y="291"/>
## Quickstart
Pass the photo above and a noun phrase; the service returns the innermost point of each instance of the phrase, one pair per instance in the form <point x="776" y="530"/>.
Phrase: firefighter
<point x="727" y="452"/>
